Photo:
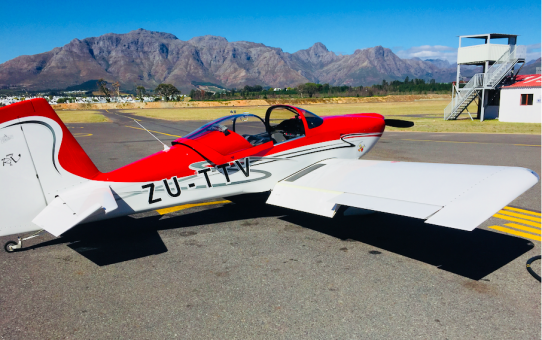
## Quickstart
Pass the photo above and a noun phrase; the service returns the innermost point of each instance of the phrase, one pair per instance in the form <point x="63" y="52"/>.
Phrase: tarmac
<point x="236" y="268"/>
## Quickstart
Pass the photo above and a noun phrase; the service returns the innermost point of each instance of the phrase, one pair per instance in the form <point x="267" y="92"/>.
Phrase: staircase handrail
<point x="500" y="65"/>
<point x="463" y="93"/>
<point x="503" y="65"/>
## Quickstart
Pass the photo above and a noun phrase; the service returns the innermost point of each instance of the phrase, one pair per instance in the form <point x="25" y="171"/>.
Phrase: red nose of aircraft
<point x="356" y="123"/>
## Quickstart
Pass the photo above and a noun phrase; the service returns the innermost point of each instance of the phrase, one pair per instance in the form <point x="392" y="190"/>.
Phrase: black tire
<point x="530" y="270"/>
<point x="9" y="243"/>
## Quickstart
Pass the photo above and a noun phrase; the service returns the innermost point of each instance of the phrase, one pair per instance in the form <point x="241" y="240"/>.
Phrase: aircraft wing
<point x="73" y="207"/>
<point x="450" y="195"/>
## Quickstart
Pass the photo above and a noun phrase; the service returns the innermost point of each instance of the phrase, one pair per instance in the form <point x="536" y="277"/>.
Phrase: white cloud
<point x="429" y="52"/>
<point x="449" y="53"/>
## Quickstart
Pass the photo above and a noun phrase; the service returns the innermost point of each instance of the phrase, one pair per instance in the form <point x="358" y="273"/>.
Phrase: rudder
<point x="40" y="159"/>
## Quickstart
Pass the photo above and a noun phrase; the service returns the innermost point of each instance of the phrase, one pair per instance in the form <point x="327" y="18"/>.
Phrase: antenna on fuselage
<point x="166" y="148"/>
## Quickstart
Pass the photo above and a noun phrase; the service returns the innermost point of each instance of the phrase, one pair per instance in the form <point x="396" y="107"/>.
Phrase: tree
<point x="102" y="85"/>
<point x="301" y="88"/>
<point x="166" y="91"/>
<point x="311" y="89"/>
<point x="116" y="88"/>
<point x="140" y="90"/>
<point x="407" y="80"/>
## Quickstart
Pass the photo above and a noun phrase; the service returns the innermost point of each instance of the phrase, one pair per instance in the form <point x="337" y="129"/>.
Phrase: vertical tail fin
<point x="40" y="159"/>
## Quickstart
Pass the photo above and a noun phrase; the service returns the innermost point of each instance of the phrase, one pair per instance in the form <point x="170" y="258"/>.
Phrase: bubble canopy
<point x="282" y="123"/>
<point x="239" y="123"/>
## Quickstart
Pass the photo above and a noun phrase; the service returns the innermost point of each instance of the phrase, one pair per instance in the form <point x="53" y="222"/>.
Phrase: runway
<point x="236" y="268"/>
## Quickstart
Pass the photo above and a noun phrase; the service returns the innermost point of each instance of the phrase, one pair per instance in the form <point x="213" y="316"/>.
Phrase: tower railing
<point x="464" y="94"/>
<point x="503" y="65"/>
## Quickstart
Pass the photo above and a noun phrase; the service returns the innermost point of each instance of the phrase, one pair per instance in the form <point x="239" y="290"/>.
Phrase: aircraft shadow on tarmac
<point x="470" y="254"/>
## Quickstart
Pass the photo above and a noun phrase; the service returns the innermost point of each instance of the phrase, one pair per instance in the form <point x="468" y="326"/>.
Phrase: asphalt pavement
<point x="236" y="268"/>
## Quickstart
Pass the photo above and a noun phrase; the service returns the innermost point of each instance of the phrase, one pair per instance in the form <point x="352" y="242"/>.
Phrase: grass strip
<point x="69" y="117"/>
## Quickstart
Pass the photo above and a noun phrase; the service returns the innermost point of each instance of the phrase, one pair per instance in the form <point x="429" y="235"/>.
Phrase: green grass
<point x="81" y="117"/>
<point x="467" y="125"/>
<point x="431" y="120"/>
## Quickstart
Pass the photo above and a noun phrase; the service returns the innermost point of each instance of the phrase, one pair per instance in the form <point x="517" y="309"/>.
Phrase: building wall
<point x="511" y="111"/>
<point x="491" y="112"/>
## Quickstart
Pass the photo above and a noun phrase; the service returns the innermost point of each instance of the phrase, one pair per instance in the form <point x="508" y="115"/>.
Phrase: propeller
<point x="398" y="123"/>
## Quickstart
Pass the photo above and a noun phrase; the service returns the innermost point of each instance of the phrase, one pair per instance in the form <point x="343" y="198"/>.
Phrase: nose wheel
<point x="12" y="246"/>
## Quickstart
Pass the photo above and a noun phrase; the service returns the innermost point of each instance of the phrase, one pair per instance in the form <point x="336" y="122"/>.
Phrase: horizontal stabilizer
<point x="451" y="195"/>
<point x="73" y="207"/>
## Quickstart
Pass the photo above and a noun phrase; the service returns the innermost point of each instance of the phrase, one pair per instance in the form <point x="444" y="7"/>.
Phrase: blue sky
<point x="426" y="29"/>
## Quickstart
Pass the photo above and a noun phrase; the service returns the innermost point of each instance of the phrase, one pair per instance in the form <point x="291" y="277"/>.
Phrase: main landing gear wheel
<point x="10" y="246"/>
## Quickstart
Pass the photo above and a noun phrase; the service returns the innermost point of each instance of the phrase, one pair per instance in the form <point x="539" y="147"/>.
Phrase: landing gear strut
<point x="12" y="246"/>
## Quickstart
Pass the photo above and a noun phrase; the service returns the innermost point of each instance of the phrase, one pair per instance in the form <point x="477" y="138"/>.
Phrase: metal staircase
<point x="464" y="97"/>
<point x="484" y="81"/>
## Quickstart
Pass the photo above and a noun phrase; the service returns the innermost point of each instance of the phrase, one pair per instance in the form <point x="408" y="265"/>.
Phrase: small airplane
<point x="308" y="163"/>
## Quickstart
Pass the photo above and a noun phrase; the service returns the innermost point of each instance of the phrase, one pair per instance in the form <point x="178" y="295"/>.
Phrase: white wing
<point x="451" y="195"/>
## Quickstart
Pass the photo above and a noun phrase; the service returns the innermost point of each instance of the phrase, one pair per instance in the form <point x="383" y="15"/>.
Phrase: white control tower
<point x="497" y="61"/>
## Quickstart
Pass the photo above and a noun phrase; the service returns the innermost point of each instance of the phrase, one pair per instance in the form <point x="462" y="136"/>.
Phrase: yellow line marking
<point x="520" y="227"/>
<point x="517" y="233"/>
<point x="82" y="134"/>
<point x="186" y="206"/>
<point x="530" y="218"/>
<point x="162" y="133"/>
<point x="450" y="141"/>
<point x="524" y="211"/>
<point x="513" y="219"/>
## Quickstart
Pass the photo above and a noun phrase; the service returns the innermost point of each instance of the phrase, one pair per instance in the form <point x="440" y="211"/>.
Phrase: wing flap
<point x="311" y="200"/>
<point x="404" y="208"/>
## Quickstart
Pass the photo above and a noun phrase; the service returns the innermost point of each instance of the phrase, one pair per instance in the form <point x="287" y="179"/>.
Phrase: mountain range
<point x="148" y="58"/>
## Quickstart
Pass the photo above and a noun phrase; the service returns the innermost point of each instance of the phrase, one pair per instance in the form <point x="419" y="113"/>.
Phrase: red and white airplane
<point x="308" y="163"/>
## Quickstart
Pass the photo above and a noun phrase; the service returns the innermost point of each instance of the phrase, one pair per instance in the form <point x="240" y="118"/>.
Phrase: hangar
<point x="520" y="101"/>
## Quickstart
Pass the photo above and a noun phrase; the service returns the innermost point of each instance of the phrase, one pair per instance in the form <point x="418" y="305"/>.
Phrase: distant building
<point x="498" y="62"/>
<point x="520" y="101"/>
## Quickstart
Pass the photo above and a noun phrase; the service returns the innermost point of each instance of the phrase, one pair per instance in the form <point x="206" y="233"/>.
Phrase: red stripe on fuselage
<point x="175" y="162"/>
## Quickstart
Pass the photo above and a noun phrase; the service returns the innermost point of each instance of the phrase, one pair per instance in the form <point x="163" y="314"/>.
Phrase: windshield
<point x="312" y="119"/>
<point x="249" y="126"/>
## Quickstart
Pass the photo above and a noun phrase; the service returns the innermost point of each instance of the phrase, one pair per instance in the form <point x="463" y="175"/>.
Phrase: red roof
<point x="526" y="80"/>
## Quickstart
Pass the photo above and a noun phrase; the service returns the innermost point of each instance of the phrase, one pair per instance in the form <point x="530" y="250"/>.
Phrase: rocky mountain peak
<point x="148" y="58"/>
<point x="141" y="32"/>
<point x="318" y="48"/>
<point x="439" y="62"/>
<point x="207" y="40"/>
<point x="317" y="55"/>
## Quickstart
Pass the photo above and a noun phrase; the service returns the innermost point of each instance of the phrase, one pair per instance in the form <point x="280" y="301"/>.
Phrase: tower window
<point x="527" y="99"/>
